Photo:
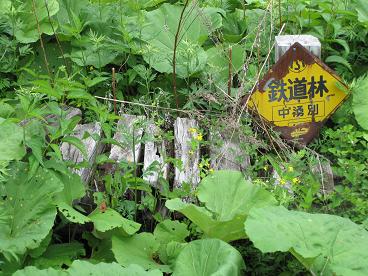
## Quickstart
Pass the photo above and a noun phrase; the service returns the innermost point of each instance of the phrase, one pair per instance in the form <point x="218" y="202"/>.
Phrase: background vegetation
<point x="164" y="59"/>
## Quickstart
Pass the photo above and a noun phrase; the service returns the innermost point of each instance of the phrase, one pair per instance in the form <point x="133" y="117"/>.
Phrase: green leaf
<point x="35" y="138"/>
<point x="138" y="249"/>
<point x="169" y="230"/>
<point x="325" y="244"/>
<point x="110" y="219"/>
<point x="81" y="268"/>
<point x="28" y="211"/>
<point x="360" y="101"/>
<point x="209" y="257"/>
<point x="58" y="255"/>
<point x="92" y="82"/>
<point x="218" y="62"/>
<point x="73" y="189"/>
<point x="34" y="271"/>
<point x="44" y="87"/>
<point x="11" y="138"/>
<point x="362" y="10"/>
<point x="84" y="268"/>
<point x="227" y="194"/>
<point x="6" y="110"/>
<point x="77" y="143"/>
<point x="159" y="32"/>
<point x="28" y="29"/>
<point x="173" y="233"/>
<point x="37" y="252"/>
<point x="340" y="60"/>
<point x="227" y="197"/>
<point x="71" y="214"/>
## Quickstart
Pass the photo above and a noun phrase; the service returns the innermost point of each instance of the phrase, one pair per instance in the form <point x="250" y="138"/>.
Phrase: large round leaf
<point x="360" y="102"/>
<point x="209" y="257"/>
<point x="139" y="249"/>
<point x="227" y="194"/>
<point x="227" y="197"/>
<point x="109" y="219"/>
<point x="325" y="244"/>
<point x="171" y="235"/>
<point x="159" y="32"/>
<point x="84" y="268"/>
<point x="28" y="211"/>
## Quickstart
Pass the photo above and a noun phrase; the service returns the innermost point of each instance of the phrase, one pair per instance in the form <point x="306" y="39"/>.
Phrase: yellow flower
<point x="191" y="152"/>
<point x="91" y="68"/>
<point x="211" y="170"/>
<point x="296" y="180"/>
<point x="290" y="169"/>
<point x="192" y="130"/>
<point x="282" y="182"/>
<point x="265" y="168"/>
<point x="199" y="137"/>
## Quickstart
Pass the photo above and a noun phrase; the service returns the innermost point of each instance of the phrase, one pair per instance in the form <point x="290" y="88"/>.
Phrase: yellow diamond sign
<point x="298" y="94"/>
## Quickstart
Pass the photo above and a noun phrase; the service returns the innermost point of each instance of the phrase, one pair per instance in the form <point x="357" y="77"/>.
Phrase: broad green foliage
<point x="227" y="197"/>
<point x="138" y="249"/>
<point x="23" y="12"/>
<point x="360" y="101"/>
<point x="159" y="32"/>
<point x="109" y="219"/>
<point x="49" y="220"/>
<point x="209" y="257"/>
<point x="362" y="10"/>
<point x="169" y="230"/>
<point x="325" y="244"/>
<point x="27" y="209"/>
<point x="234" y="26"/>
<point x="11" y="141"/>
<point x="59" y="255"/>
<point x="171" y="236"/>
<point x="218" y="62"/>
<point x="73" y="189"/>
<point x="84" y="268"/>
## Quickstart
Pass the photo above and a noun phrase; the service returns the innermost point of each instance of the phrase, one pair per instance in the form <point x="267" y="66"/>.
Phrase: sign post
<point x="298" y="94"/>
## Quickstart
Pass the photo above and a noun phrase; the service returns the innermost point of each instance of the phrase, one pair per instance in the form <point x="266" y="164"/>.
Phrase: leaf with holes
<point x="28" y="211"/>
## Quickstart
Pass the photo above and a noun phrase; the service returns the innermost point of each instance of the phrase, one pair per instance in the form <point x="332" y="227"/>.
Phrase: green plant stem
<point x="175" y="49"/>
<point x="41" y="42"/>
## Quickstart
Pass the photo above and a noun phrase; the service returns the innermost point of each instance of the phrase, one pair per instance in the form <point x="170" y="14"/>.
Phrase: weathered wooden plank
<point x="284" y="42"/>
<point x="226" y="152"/>
<point x="129" y="135"/>
<point x="183" y="151"/>
<point x="154" y="151"/>
<point x="93" y="148"/>
<point x="72" y="112"/>
<point x="324" y="172"/>
<point x="54" y="120"/>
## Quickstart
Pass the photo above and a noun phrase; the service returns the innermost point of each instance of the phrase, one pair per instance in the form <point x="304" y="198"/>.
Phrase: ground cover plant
<point x="162" y="60"/>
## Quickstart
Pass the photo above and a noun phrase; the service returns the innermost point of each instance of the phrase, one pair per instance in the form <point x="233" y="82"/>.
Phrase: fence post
<point x="284" y="42"/>
<point x="313" y="45"/>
